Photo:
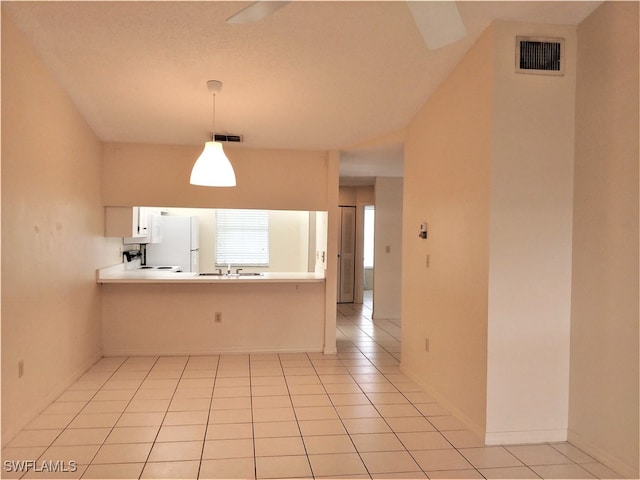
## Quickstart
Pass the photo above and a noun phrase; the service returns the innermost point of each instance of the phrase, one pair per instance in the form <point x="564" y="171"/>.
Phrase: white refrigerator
<point x="179" y="245"/>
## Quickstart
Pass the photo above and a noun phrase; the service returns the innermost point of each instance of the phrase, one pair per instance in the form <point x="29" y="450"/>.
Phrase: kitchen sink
<point x="231" y="275"/>
<point x="167" y="268"/>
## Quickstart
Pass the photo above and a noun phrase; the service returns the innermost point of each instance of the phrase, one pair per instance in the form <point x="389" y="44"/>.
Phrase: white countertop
<point x="120" y="274"/>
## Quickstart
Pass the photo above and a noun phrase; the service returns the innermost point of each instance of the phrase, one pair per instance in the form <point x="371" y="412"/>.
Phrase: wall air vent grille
<point x="538" y="55"/>
<point x="227" y="138"/>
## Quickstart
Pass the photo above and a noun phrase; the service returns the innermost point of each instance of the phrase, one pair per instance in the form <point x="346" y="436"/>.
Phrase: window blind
<point x="242" y="237"/>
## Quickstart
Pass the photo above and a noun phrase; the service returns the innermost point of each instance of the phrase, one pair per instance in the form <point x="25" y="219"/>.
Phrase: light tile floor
<point x="350" y="415"/>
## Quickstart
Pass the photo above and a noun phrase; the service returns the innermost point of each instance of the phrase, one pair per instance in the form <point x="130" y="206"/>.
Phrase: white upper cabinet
<point x="134" y="224"/>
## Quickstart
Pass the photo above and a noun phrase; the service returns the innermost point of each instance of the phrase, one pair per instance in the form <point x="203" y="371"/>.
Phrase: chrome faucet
<point x="229" y="269"/>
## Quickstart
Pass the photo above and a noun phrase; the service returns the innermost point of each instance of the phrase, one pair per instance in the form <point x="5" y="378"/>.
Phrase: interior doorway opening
<point x="368" y="255"/>
<point x="347" y="255"/>
<point x="351" y="219"/>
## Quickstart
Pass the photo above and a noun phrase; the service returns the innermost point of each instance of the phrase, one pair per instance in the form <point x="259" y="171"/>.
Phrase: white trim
<point x="391" y="317"/>
<point x="330" y="350"/>
<point x="525" y="436"/>
<point x="216" y="351"/>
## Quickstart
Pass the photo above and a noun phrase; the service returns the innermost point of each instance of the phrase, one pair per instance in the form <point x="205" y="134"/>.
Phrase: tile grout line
<point x="253" y="428"/>
<point x="153" y="443"/>
<point x="385" y="419"/>
<point x="206" y="427"/>
<point x="121" y="413"/>
<point x="295" y="415"/>
<point x="340" y="418"/>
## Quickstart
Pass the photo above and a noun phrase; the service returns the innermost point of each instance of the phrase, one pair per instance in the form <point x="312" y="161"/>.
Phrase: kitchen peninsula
<point x="119" y="274"/>
<point x="182" y="313"/>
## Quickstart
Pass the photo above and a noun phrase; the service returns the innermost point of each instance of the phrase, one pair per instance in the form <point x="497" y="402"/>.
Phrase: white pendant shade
<point x="213" y="168"/>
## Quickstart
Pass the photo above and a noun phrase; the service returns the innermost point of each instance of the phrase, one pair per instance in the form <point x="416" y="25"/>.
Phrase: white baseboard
<point x="28" y="416"/>
<point x="330" y="350"/>
<point x="525" y="436"/>
<point x="395" y="317"/>
<point x="216" y="351"/>
<point x="605" y="457"/>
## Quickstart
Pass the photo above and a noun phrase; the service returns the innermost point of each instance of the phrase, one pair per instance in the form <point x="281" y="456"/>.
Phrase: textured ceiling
<point x="314" y="75"/>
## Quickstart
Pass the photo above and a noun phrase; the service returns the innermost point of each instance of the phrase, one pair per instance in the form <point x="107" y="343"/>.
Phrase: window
<point x="242" y="238"/>
<point x="369" y="225"/>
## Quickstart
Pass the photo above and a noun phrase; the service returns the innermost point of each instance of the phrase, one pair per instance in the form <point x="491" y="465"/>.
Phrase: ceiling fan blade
<point x="256" y="12"/>
<point x="439" y="22"/>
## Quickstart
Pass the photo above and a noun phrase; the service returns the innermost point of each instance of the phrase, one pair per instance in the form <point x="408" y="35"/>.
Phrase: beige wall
<point x="52" y="224"/>
<point x="355" y="196"/>
<point x="446" y="183"/>
<point x="332" y="222"/>
<point x="158" y="175"/>
<point x="387" y="276"/>
<point x="530" y="243"/>
<point x="289" y="241"/>
<point x="603" y="406"/>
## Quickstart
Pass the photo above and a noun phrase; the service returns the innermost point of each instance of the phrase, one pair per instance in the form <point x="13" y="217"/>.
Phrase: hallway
<point x="291" y="415"/>
<point x="355" y="329"/>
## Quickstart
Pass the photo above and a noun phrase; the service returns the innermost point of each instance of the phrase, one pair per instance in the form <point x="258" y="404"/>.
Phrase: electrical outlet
<point x="20" y="368"/>
<point x="426" y="345"/>
<point x="218" y="318"/>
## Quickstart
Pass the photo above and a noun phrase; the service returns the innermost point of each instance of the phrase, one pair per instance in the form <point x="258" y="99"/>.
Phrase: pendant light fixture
<point x="213" y="168"/>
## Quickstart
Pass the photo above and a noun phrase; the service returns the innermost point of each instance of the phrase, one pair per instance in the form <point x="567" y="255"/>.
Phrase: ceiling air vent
<point x="227" y="138"/>
<point x="539" y="55"/>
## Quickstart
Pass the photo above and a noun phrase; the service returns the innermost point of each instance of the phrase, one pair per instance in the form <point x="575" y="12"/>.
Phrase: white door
<point x="346" y="255"/>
